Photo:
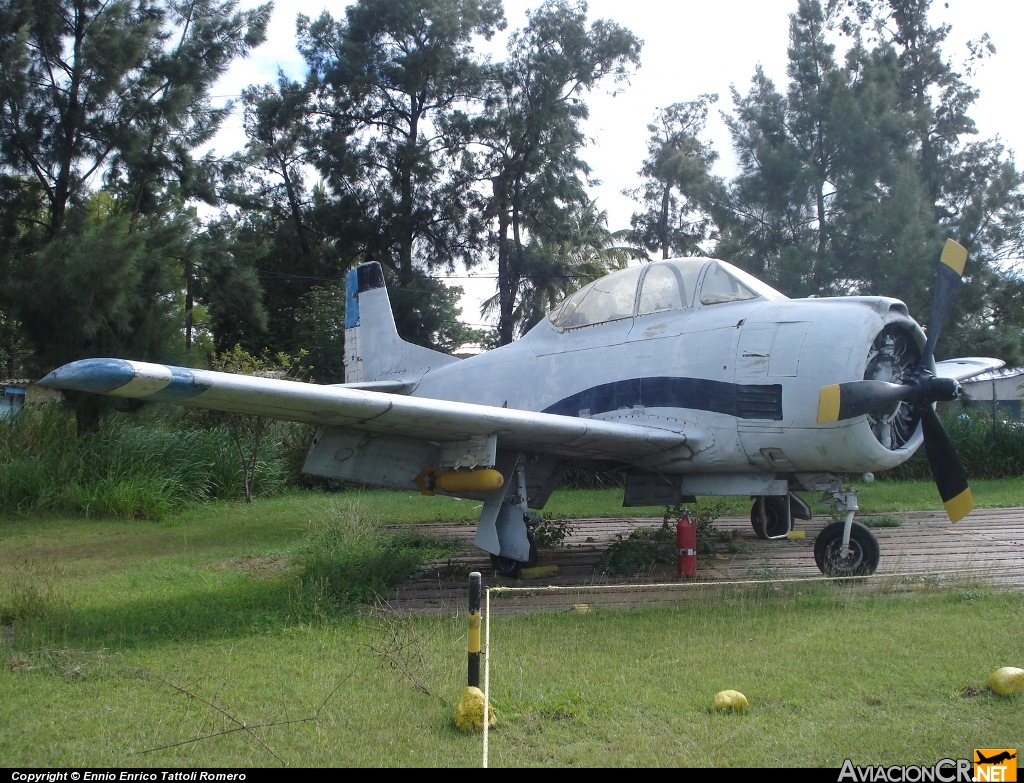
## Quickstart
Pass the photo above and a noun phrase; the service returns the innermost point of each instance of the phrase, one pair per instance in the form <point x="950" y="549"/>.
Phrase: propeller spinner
<point x="920" y="389"/>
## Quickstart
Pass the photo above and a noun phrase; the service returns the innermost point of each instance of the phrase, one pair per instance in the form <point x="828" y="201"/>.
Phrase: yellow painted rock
<point x="1008" y="681"/>
<point x="469" y="714"/>
<point x="730" y="701"/>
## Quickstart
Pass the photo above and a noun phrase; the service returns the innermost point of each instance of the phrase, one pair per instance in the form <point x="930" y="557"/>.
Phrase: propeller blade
<point x="849" y="400"/>
<point x="921" y="389"/>
<point x="949" y="474"/>
<point x="947" y="280"/>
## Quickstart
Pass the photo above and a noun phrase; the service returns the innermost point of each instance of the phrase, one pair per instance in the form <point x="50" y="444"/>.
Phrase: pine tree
<point x="533" y="137"/>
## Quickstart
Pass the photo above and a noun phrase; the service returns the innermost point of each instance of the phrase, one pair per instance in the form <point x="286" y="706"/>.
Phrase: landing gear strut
<point x="513" y="523"/>
<point x="846" y="548"/>
<point x="507" y="566"/>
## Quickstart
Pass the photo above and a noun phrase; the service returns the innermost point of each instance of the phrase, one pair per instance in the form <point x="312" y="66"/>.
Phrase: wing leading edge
<point x="366" y="411"/>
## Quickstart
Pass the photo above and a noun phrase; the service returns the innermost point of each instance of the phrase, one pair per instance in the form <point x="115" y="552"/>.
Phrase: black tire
<point x="775" y="523"/>
<point x="506" y="566"/>
<point x="862" y="559"/>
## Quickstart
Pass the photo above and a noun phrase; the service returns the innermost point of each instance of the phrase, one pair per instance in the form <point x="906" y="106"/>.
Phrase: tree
<point x="781" y="214"/>
<point x="282" y="225"/>
<point x="971" y="187"/>
<point x="851" y="179"/>
<point x="550" y="269"/>
<point x="393" y="80"/>
<point x="105" y="294"/>
<point x="532" y="139"/>
<point x="677" y="181"/>
<point x="220" y="271"/>
<point x="90" y="89"/>
<point x="248" y="432"/>
<point x="321" y="332"/>
<point x="113" y="93"/>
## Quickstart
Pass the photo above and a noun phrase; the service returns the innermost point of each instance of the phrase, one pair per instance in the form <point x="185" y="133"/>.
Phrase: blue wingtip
<point x="99" y="376"/>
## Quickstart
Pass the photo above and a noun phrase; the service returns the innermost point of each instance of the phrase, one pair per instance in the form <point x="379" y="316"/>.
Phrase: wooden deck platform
<point x="986" y="548"/>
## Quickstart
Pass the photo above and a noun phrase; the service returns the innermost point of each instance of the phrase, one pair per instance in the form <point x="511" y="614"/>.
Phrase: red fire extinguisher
<point x="686" y="540"/>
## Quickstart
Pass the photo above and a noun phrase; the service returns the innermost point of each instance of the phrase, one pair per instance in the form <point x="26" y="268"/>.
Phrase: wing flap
<point x="368" y="411"/>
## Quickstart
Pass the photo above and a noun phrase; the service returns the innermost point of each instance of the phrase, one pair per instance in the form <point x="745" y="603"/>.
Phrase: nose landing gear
<point x="846" y="548"/>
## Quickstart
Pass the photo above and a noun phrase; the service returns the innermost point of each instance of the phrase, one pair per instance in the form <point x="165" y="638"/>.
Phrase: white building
<point x="998" y="392"/>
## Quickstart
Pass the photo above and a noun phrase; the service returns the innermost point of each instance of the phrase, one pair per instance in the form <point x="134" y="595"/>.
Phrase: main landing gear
<point x="510" y="567"/>
<point x="772" y="516"/>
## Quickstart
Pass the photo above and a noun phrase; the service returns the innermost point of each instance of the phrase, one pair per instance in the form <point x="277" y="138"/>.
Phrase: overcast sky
<point x="692" y="47"/>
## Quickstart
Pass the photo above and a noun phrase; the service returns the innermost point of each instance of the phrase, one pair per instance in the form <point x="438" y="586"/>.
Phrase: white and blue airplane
<point x="689" y="375"/>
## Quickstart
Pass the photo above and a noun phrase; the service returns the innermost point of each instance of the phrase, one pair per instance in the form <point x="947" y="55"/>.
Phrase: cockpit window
<point x="668" y="286"/>
<point x="721" y="285"/>
<point x="664" y="286"/>
<point x="607" y="299"/>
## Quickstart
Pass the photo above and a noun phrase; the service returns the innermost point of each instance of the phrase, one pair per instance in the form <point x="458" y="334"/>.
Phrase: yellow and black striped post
<point x="474" y="629"/>
<point x="473" y="713"/>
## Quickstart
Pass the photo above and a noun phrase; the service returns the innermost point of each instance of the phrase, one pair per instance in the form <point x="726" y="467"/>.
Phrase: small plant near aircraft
<point x="884" y="520"/>
<point x="689" y="376"/>
<point x="645" y="547"/>
<point x="639" y="552"/>
<point x="551" y="532"/>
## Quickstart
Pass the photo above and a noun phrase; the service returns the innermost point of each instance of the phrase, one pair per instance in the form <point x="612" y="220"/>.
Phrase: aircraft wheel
<point x="774" y="523"/>
<point x="507" y="566"/>
<point x="862" y="560"/>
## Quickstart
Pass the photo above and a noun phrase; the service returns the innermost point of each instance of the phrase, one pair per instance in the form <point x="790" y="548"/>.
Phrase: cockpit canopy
<point x="675" y="284"/>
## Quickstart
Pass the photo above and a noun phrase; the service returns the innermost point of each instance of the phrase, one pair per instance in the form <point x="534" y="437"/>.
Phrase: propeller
<point x="920" y="389"/>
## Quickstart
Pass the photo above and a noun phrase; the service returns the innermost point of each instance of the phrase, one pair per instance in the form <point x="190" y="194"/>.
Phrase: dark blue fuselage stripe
<point x="744" y="401"/>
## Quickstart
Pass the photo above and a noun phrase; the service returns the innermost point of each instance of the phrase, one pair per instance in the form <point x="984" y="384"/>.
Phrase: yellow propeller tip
<point x="828" y="404"/>
<point x="954" y="255"/>
<point x="960" y="506"/>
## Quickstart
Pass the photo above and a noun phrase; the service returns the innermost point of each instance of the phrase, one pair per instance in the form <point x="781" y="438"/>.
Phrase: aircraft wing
<point x="366" y="411"/>
<point x="967" y="367"/>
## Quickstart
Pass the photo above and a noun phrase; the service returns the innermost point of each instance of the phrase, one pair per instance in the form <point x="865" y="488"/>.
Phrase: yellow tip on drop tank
<point x="485" y="480"/>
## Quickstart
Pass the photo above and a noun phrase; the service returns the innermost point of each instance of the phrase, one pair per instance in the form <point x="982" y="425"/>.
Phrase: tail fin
<point x="373" y="349"/>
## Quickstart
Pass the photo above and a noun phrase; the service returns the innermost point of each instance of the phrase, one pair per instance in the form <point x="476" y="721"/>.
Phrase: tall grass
<point x="140" y="467"/>
<point x="348" y="559"/>
<point x="149" y="464"/>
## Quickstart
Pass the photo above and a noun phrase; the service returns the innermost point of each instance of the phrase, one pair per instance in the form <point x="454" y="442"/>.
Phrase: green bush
<point x="645" y="547"/>
<point x="988" y="448"/>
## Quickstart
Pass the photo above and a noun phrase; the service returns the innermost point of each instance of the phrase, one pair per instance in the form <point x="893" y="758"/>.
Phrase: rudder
<point x="374" y="351"/>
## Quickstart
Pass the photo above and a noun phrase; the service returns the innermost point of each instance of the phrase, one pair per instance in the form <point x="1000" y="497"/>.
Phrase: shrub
<point x="988" y="448"/>
<point x="645" y="547"/>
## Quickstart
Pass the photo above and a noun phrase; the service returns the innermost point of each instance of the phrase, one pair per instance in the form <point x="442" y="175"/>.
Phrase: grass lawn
<point x="195" y="643"/>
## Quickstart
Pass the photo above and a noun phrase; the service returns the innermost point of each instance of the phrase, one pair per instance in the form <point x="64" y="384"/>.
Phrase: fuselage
<point x="742" y="376"/>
